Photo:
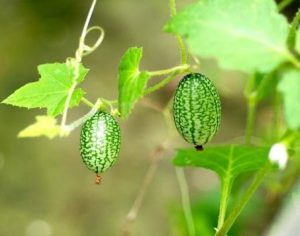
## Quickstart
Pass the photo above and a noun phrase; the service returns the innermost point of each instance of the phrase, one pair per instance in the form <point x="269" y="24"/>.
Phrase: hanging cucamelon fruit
<point x="196" y="109"/>
<point x="100" y="142"/>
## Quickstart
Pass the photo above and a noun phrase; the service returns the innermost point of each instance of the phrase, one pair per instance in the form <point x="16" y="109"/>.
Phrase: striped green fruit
<point x="100" y="142"/>
<point x="196" y="109"/>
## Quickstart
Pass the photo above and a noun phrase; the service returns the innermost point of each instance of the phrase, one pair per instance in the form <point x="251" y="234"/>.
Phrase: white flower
<point x="278" y="155"/>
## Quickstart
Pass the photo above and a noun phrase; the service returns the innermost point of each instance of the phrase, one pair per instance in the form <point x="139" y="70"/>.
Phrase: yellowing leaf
<point x="44" y="126"/>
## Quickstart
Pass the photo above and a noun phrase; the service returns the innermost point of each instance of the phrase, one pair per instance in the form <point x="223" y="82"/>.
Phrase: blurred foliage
<point x="45" y="188"/>
<point x="205" y="209"/>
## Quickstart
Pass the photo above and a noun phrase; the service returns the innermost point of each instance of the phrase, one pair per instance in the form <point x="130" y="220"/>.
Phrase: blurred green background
<point x="45" y="188"/>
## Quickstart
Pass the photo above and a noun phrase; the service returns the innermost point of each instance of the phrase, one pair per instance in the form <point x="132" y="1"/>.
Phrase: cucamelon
<point x="100" y="142"/>
<point x="196" y="109"/>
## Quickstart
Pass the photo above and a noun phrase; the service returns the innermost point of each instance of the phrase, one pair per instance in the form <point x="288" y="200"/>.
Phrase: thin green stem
<point x="226" y="184"/>
<point x="161" y="84"/>
<point x="289" y="137"/>
<point x="250" y="85"/>
<point x="225" y="193"/>
<point x="268" y="81"/>
<point x="172" y="4"/>
<point x="110" y="101"/>
<point x="264" y="84"/>
<point x="244" y="200"/>
<point x="185" y="198"/>
<point x="276" y="115"/>
<point x="250" y="119"/>
<point x="291" y="39"/>
<point x="87" y="102"/>
<point x="168" y="71"/>
<point x="184" y="55"/>
<point x="283" y="4"/>
<point x="294" y="60"/>
<point x="103" y="102"/>
<point x="173" y="73"/>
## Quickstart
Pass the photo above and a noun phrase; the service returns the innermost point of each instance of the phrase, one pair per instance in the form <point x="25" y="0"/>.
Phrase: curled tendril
<point x="82" y="50"/>
<point x="85" y="49"/>
<point x="89" y="49"/>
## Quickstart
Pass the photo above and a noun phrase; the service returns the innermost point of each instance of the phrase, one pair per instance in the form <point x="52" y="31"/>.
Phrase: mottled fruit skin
<point x="100" y="141"/>
<point x="196" y="109"/>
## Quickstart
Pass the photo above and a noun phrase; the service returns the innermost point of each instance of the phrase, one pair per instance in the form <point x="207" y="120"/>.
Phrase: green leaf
<point x="50" y="91"/>
<point x="289" y="87"/>
<point x="226" y="161"/>
<point x="247" y="35"/>
<point x="44" y="126"/>
<point x="132" y="82"/>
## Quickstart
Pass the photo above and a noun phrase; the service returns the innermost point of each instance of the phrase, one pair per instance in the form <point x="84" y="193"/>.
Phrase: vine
<point x="271" y="62"/>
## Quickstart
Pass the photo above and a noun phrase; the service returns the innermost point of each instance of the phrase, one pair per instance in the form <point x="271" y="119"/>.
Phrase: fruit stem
<point x="175" y="71"/>
<point x="168" y="71"/>
<point x="98" y="179"/>
<point x="161" y="84"/>
<point x="87" y="102"/>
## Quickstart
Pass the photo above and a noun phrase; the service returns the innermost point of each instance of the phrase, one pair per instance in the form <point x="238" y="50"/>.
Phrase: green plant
<point x="250" y="36"/>
<point x="197" y="109"/>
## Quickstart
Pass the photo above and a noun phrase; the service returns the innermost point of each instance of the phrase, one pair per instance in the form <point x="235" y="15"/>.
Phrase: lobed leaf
<point x="50" y="91"/>
<point x="247" y="35"/>
<point x="132" y="82"/>
<point x="289" y="87"/>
